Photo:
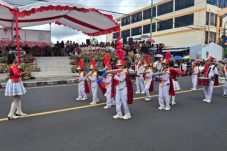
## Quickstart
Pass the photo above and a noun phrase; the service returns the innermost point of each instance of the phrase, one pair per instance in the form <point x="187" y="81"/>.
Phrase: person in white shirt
<point x="195" y="73"/>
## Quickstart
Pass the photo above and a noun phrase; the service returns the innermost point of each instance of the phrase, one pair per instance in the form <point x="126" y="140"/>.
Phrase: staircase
<point x="53" y="67"/>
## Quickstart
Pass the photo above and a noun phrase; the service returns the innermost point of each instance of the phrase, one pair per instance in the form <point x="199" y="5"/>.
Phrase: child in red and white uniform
<point x="14" y="88"/>
<point x="82" y="85"/>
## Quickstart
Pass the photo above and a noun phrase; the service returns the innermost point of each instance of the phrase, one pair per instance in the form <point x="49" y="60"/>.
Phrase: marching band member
<point x="82" y="85"/>
<point x="139" y="78"/>
<point x="173" y="75"/>
<point x="164" y="87"/>
<point x="225" y="84"/>
<point x="124" y="95"/>
<point x="212" y="75"/>
<point x="108" y="80"/>
<point x="14" y="88"/>
<point x="124" y="89"/>
<point x="148" y="78"/>
<point x="94" y="85"/>
<point x="195" y="73"/>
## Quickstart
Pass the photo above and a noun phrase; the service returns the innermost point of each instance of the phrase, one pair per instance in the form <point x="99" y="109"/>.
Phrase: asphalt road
<point x="191" y="125"/>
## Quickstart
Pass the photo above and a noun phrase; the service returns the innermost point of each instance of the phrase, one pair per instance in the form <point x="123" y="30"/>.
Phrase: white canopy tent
<point x="90" y="21"/>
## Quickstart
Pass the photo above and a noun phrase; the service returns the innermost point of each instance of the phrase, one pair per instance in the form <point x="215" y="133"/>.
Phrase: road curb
<point x="43" y="83"/>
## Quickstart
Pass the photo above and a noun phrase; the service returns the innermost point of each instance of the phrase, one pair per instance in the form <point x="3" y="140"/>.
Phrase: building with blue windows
<point x="176" y="22"/>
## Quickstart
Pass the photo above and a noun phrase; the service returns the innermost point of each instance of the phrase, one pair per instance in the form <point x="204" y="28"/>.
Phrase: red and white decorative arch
<point x="90" y="21"/>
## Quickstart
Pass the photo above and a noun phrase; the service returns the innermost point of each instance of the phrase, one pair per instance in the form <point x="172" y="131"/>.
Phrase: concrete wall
<point x="181" y="38"/>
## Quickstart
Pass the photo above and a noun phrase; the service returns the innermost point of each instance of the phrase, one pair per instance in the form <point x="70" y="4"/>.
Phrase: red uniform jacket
<point x="174" y="73"/>
<point x="14" y="73"/>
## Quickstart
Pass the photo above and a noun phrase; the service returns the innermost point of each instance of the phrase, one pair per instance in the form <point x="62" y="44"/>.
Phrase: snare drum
<point x="203" y="81"/>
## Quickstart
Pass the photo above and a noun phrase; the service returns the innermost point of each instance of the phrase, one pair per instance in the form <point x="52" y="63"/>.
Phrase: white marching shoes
<point x="204" y="100"/>
<point x="161" y="108"/>
<point x="167" y="108"/>
<point x="12" y="117"/>
<point x="117" y="116"/>
<point x="107" y="107"/>
<point x="137" y="92"/>
<point x="21" y="114"/>
<point x="207" y="100"/>
<point x="164" y="108"/>
<point x="78" y="99"/>
<point x="148" y="99"/>
<point x="126" y="117"/>
<point x="93" y="103"/>
<point x="143" y="92"/>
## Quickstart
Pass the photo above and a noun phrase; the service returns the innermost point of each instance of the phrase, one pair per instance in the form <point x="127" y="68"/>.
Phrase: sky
<point x="59" y="33"/>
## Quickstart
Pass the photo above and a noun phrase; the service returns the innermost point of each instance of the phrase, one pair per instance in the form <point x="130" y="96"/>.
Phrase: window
<point x="125" y="33"/>
<point x="164" y="25"/>
<point x="212" y="37"/>
<point x="147" y="13"/>
<point x="115" y="35"/>
<point x="136" y="17"/>
<point x="218" y="3"/>
<point x="136" y="31"/>
<point x="181" y="4"/>
<point x="184" y="20"/>
<point x="146" y="28"/>
<point x="212" y="2"/>
<point x="165" y="8"/>
<point x="125" y="21"/>
<point x="213" y="18"/>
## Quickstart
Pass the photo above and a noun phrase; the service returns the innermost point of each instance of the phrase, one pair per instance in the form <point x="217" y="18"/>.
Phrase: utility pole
<point x="151" y="19"/>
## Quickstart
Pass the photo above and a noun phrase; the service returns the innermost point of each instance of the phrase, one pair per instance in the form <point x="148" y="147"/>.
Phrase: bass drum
<point x="203" y="81"/>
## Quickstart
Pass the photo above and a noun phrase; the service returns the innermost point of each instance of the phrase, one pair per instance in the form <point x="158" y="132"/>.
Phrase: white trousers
<point x="121" y="98"/>
<point x="208" y="90"/>
<point x="225" y="88"/>
<point x="139" y="84"/>
<point x="194" y="81"/>
<point x="108" y="97"/>
<point x="81" y="92"/>
<point x="163" y="96"/>
<point x="94" y="94"/>
<point x="15" y="106"/>
<point x="147" y="88"/>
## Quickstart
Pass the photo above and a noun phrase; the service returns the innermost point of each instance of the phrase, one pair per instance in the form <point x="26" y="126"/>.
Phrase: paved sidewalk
<point x="45" y="81"/>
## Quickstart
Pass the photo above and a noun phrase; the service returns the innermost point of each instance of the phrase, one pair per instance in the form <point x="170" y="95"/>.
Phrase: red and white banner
<point x="30" y="37"/>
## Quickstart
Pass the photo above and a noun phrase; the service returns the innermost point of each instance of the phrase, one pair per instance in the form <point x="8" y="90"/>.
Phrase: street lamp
<point x="151" y="19"/>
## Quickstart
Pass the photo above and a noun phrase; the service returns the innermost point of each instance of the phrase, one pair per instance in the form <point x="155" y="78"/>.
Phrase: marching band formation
<point x="115" y="83"/>
<point x="117" y="86"/>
